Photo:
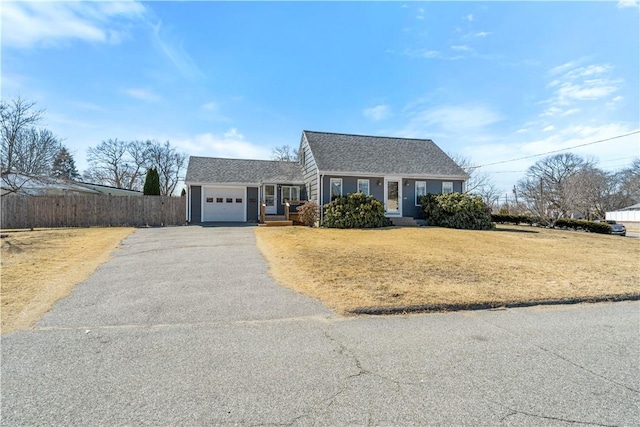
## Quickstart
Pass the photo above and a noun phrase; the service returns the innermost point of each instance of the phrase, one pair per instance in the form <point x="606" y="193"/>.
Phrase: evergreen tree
<point x="64" y="166"/>
<point x="152" y="183"/>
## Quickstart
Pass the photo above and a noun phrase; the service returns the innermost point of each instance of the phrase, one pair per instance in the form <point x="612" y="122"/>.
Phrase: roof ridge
<point x="244" y="160"/>
<point x="369" y="136"/>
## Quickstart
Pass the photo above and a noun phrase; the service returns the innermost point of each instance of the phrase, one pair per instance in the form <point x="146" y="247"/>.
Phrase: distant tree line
<point x="567" y="185"/>
<point x="30" y="153"/>
<point x="124" y="164"/>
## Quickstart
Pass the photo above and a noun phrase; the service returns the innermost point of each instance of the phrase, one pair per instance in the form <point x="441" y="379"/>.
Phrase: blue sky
<point x="493" y="81"/>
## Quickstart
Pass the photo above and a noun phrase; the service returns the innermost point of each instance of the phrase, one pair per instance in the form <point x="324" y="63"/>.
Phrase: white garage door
<point x="224" y="204"/>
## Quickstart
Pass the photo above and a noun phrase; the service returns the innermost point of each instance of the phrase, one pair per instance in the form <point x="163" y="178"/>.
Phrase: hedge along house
<point x="396" y="171"/>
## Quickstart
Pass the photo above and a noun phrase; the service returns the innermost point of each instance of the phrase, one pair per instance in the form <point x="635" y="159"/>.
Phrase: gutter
<point x="320" y="180"/>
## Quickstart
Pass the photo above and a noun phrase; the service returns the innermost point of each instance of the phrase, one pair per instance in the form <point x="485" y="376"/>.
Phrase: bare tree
<point x="137" y="163"/>
<point x="27" y="150"/>
<point x="285" y="153"/>
<point x="549" y="185"/>
<point x="591" y="191"/>
<point x="479" y="182"/>
<point x="124" y="164"/>
<point x="111" y="163"/>
<point x="628" y="185"/>
<point x="169" y="163"/>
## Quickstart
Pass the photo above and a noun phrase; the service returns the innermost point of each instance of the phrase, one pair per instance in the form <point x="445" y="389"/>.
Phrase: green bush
<point x="579" y="224"/>
<point x="152" y="183"/>
<point x="457" y="210"/>
<point x="308" y="213"/>
<point x="355" y="210"/>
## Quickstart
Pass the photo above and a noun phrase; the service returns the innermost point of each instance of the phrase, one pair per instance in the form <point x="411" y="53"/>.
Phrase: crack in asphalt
<point x="327" y="402"/>
<point x="88" y="329"/>
<point x="546" y="417"/>
<point x="564" y="358"/>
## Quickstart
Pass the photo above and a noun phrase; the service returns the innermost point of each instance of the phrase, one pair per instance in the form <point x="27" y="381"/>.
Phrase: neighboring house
<point x="49" y="186"/>
<point x="396" y="171"/>
<point x="111" y="191"/>
<point x="628" y="214"/>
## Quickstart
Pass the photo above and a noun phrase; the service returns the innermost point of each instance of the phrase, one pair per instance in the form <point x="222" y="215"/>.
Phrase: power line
<point x="619" y="158"/>
<point x="555" y="151"/>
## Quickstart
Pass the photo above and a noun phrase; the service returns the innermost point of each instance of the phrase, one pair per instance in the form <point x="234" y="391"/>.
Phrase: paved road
<point x="185" y="327"/>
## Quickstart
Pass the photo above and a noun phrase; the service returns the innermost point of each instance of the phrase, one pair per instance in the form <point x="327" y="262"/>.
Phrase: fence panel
<point x="90" y="211"/>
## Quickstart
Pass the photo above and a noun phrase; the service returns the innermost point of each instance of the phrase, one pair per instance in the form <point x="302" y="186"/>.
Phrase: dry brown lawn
<point x="40" y="267"/>
<point x="348" y="269"/>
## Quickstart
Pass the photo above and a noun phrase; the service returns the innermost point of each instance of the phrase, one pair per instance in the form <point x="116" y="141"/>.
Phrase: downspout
<point x="188" y="208"/>
<point x="320" y="182"/>
<point x="260" y="195"/>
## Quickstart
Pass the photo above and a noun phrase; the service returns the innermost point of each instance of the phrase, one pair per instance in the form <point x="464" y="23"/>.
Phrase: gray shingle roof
<point x="380" y="155"/>
<point x="218" y="170"/>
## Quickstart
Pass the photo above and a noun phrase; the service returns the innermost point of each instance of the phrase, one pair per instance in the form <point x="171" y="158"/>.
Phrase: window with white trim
<point x="447" y="187"/>
<point x="289" y="193"/>
<point x="363" y="186"/>
<point x="335" y="185"/>
<point x="421" y="190"/>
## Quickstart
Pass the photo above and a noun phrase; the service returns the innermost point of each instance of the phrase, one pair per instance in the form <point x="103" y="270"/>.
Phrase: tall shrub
<point x="152" y="183"/>
<point x="308" y="213"/>
<point x="355" y="210"/>
<point x="457" y="210"/>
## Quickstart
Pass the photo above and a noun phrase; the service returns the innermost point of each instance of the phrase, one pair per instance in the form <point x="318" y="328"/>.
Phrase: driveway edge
<point x="428" y="308"/>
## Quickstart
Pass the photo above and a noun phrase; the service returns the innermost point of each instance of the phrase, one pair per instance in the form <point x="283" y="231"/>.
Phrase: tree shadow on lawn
<point x="511" y="230"/>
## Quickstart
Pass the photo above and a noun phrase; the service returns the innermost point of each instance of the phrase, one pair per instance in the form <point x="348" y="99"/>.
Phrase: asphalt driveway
<point x="185" y="327"/>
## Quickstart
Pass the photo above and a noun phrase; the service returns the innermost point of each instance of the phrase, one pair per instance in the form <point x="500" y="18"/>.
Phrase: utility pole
<point x="541" y="199"/>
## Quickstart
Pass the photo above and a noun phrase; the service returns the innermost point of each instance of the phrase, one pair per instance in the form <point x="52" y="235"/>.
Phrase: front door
<point x="393" y="196"/>
<point x="270" y="199"/>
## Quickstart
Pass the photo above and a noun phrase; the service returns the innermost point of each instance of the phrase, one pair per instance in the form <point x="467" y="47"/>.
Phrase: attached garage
<point x="224" y="204"/>
<point x="230" y="190"/>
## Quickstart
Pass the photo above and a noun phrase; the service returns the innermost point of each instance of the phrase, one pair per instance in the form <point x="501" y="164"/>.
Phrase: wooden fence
<point x="90" y="211"/>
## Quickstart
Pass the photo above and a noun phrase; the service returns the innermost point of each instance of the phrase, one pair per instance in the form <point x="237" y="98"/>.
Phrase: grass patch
<point x="394" y="267"/>
<point x="42" y="266"/>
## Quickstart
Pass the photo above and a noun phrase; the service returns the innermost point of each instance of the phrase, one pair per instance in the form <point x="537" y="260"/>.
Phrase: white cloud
<point x="233" y="134"/>
<point x="463" y="47"/>
<point x="589" y="70"/>
<point x="377" y="113"/>
<point x="548" y="128"/>
<point x="142" y="94"/>
<point x="573" y="83"/>
<point x="587" y="90"/>
<point x="468" y="17"/>
<point x="627" y="3"/>
<point x="450" y="120"/>
<point x="231" y="144"/>
<point x="429" y="54"/>
<point x="210" y="106"/>
<point x="482" y="34"/>
<point x="571" y="112"/>
<point x="615" y="101"/>
<point x="174" y="51"/>
<point x="29" y="24"/>
<point x="562" y="68"/>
